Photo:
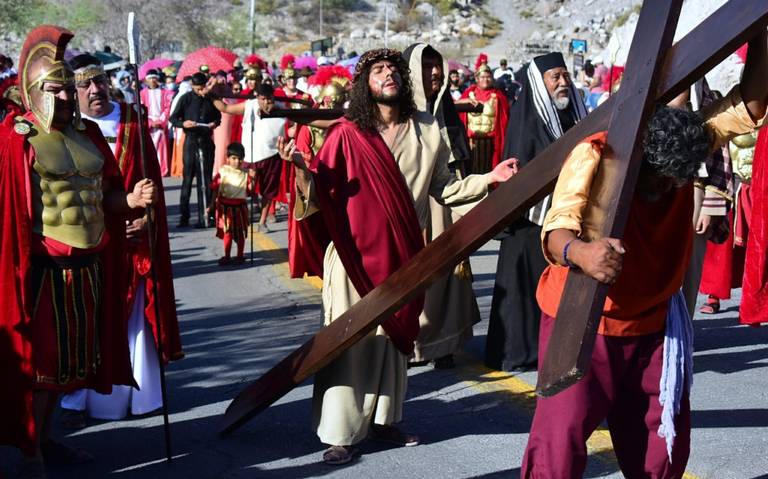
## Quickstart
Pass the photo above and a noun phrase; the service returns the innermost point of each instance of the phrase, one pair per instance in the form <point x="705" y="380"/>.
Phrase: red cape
<point x="502" y="117"/>
<point x="137" y="257"/>
<point x="16" y="421"/>
<point x="754" y="294"/>
<point x="305" y="255"/>
<point x="369" y="215"/>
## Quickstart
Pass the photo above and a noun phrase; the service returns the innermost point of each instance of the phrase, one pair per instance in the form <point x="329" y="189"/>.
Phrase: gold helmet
<point x="42" y="60"/>
<point x="253" y="73"/>
<point x="289" y="72"/>
<point x="332" y="95"/>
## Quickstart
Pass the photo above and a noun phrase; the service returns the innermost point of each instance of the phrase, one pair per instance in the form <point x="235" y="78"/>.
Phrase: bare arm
<point x="232" y="109"/>
<point x="754" y="89"/>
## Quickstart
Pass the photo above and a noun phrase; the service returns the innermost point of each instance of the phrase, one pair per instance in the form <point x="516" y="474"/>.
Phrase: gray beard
<point x="561" y="103"/>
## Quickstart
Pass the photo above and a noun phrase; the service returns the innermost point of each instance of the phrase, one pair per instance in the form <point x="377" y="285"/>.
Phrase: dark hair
<point x="675" y="144"/>
<point x="265" y="90"/>
<point x="236" y="149"/>
<point x="451" y="72"/>
<point x="83" y="60"/>
<point x="362" y="107"/>
<point x="589" y="69"/>
<point x="199" y="79"/>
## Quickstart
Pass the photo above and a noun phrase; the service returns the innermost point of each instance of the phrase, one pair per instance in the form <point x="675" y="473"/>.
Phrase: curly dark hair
<point x="675" y="144"/>
<point x="362" y="106"/>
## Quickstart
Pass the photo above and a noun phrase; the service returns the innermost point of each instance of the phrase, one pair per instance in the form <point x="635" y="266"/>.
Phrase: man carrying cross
<point x="371" y="182"/>
<point x="632" y="367"/>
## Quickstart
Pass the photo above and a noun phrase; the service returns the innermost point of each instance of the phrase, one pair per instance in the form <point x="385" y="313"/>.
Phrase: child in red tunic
<point x="233" y="186"/>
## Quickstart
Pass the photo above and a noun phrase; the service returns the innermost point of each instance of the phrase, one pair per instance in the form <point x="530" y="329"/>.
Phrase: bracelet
<point x="565" y="254"/>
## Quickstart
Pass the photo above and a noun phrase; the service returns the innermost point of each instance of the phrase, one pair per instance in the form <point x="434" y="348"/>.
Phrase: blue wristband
<point x="565" y="255"/>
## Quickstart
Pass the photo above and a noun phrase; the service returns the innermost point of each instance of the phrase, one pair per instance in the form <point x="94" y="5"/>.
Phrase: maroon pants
<point x="622" y="386"/>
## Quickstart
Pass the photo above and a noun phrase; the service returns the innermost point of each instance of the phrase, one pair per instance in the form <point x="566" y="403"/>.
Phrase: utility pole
<point x="253" y="23"/>
<point x="386" y="23"/>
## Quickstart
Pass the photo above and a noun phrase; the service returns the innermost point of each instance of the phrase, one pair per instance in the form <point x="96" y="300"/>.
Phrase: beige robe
<point x="367" y="383"/>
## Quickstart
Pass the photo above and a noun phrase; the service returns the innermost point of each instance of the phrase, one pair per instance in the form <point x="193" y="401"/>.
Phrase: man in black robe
<point x="547" y="107"/>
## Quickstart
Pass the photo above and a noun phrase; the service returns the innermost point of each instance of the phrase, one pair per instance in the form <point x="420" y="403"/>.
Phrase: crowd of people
<point x="422" y="145"/>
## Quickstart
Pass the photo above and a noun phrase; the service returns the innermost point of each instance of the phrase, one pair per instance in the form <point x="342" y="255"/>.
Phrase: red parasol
<point x="154" y="64"/>
<point x="460" y="67"/>
<point x="216" y="58"/>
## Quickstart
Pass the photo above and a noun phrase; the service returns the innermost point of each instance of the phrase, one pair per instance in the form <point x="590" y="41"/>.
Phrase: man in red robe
<point x="305" y="255"/>
<point x="62" y="234"/>
<point x="371" y="182"/>
<point x="289" y="90"/>
<point x="118" y="123"/>
<point x="487" y="129"/>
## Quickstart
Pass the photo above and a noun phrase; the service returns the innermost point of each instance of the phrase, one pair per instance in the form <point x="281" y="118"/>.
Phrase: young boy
<point x="233" y="186"/>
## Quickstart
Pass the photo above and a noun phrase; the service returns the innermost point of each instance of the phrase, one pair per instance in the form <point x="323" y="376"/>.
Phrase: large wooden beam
<point x="573" y="337"/>
<point x="686" y="61"/>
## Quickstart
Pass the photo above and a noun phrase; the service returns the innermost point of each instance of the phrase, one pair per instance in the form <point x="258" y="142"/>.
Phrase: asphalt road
<point x="237" y="322"/>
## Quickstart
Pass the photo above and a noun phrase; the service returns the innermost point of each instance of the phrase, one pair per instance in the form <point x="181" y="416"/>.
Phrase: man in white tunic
<point x="117" y="122"/>
<point x="371" y="181"/>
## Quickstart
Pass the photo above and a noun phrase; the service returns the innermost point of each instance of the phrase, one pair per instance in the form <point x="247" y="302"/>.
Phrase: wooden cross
<point x="655" y="73"/>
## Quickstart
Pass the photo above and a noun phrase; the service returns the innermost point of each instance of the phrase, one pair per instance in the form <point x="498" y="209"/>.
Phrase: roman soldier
<point x="119" y="124"/>
<point x="487" y="129"/>
<point x="305" y="257"/>
<point x="62" y="234"/>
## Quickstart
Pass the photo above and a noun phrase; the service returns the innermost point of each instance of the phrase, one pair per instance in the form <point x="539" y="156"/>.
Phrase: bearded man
<point x="450" y="307"/>
<point x="371" y="181"/>
<point x="158" y="103"/>
<point x="118" y="123"/>
<point x="548" y="106"/>
<point x="61" y="237"/>
<point x="488" y="128"/>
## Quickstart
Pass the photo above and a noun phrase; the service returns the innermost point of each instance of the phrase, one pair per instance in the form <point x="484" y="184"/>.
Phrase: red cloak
<point x="369" y="215"/>
<point x="754" y="294"/>
<point x="16" y="156"/>
<point x="305" y="256"/>
<point x="137" y="254"/>
<point x="500" y="125"/>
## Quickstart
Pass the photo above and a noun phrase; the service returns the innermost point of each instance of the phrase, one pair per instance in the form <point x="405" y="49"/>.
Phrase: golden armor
<point x="234" y="183"/>
<point x="742" y="150"/>
<point x="67" y="187"/>
<point x="483" y="123"/>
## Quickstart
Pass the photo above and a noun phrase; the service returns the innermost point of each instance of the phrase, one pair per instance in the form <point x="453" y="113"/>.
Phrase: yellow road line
<point x="480" y="378"/>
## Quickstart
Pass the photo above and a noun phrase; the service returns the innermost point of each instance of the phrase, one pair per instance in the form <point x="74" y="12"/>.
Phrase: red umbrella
<point x="154" y="64"/>
<point x="214" y="57"/>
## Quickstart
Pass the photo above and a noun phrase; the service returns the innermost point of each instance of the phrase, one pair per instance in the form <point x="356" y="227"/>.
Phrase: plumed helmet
<point x="289" y="73"/>
<point x="335" y="93"/>
<point x="253" y="73"/>
<point x="41" y="60"/>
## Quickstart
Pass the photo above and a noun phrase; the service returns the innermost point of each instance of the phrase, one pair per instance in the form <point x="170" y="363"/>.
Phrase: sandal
<point x="712" y="306"/>
<point x="339" y="455"/>
<point x="392" y="435"/>
<point x="58" y="454"/>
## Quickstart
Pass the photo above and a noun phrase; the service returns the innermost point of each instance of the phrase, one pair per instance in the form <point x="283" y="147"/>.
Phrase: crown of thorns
<point x="372" y="56"/>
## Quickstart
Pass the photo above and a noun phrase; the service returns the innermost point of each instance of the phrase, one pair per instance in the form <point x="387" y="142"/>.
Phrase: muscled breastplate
<point x="317" y="138"/>
<point x="483" y="123"/>
<point x="233" y="183"/>
<point x="742" y="150"/>
<point x="67" y="188"/>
